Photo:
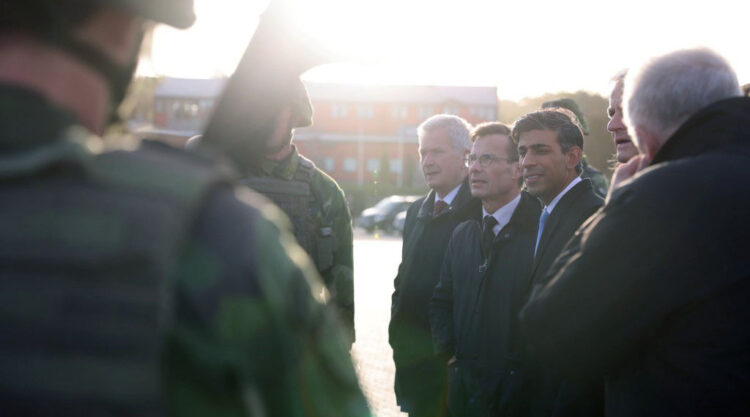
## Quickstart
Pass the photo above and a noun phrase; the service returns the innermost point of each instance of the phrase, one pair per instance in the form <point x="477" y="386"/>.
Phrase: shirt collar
<point x="450" y="196"/>
<point x="503" y="214"/>
<point x="551" y="206"/>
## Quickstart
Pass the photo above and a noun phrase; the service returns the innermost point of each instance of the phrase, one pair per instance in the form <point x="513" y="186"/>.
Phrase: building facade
<point x="361" y="134"/>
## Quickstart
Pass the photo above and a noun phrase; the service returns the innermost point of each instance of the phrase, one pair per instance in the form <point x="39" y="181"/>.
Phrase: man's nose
<point x="615" y="123"/>
<point x="527" y="161"/>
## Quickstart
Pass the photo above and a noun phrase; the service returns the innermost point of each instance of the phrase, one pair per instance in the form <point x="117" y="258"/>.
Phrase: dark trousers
<point x="472" y="393"/>
<point x="421" y="390"/>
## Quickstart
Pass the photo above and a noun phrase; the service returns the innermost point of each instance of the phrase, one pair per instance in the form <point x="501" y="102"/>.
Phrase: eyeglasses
<point x="484" y="159"/>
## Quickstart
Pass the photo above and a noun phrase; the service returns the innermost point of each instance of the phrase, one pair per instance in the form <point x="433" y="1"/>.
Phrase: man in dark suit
<point x="475" y="305"/>
<point x="550" y="145"/>
<point x="421" y="378"/>
<point x="652" y="293"/>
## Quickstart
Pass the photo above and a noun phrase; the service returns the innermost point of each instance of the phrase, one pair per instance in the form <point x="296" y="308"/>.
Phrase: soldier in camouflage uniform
<point x="137" y="280"/>
<point x="598" y="180"/>
<point x="312" y="200"/>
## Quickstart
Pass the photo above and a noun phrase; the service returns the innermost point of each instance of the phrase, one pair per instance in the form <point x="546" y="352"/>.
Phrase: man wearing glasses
<point x="474" y="306"/>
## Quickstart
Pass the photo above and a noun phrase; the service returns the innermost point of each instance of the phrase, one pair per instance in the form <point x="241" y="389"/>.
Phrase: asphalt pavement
<point x="376" y="260"/>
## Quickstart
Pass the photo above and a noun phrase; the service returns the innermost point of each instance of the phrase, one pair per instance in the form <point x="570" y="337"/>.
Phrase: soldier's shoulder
<point x="156" y="167"/>
<point x="324" y="181"/>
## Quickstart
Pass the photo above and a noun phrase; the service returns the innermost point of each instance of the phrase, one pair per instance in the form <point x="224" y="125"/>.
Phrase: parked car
<point x="398" y="222"/>
<point x="381" y="215"/>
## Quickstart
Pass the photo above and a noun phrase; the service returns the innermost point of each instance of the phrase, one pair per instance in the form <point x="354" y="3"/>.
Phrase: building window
<point x="328" y="164"/>
<point x="424" y="112"/>
<point x="454" y="110"/>
<point x="350" y="164"/>
<point x="373" y="164"/>
<point x="339" y="111"/>
<point x="486" y="113"/>
<point x="399" y="112"/>
<point x="395" y="165"/>
<point x="365" y="111"/>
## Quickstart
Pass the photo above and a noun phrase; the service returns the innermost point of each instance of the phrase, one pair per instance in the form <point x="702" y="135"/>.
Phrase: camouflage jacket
<point x="138" y="282"/>
<point x="329" y="211"/>
<point x="598" y="180"/>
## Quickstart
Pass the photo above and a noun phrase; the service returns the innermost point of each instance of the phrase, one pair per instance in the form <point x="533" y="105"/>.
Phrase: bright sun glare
<point x="523" y="48"/>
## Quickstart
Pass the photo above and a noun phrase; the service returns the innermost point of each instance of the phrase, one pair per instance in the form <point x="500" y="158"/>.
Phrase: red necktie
<point x="440" y="205"/>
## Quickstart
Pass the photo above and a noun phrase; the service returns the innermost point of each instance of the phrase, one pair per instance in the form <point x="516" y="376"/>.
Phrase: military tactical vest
<point x="299" y="200"/>
<point x="89" y="246"/>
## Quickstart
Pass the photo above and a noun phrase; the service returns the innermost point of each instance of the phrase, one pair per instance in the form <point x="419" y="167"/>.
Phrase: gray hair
<point x="667" y="90"/>
<point x="458" y="129"/>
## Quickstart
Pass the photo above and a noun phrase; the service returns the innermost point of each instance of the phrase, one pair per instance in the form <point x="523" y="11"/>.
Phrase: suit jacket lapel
<point x="553" y="222"/>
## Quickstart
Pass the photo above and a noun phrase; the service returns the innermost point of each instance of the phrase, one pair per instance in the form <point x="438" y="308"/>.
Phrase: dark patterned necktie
<point x="440" y="205"/>
<point x="488" y="236"/>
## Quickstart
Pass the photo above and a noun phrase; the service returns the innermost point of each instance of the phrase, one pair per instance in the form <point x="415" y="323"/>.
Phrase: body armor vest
<point x="89" y="246"/>
<point x="300" y="202"/>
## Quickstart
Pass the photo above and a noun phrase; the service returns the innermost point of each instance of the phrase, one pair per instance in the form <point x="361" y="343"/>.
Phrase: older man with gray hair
<point x="421" y="379"/>
<point x="653" y="293"/>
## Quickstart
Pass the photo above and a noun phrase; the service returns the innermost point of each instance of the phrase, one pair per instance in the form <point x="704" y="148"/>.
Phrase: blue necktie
<point x="542" y="221"/>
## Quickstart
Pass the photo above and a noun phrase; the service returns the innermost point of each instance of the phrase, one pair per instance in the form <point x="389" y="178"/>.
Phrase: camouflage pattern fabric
<point x="139" y="282"/>
<point x="598" y="180"/>
<point x="331" y="209"/>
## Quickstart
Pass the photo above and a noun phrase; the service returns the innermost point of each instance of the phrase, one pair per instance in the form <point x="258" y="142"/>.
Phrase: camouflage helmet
<point x="569" y="104"/>
<point x="177" y="13"/>
<point x="302" y="109"/>
<point x="47" y="15"/>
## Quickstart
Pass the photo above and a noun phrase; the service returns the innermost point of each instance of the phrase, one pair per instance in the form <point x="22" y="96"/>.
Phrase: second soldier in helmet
<point x="311" y="199"/>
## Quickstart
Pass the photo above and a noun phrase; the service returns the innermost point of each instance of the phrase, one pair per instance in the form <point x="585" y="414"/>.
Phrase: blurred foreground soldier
<point x="311" y="199"/>
<point x="624" y="147"/>
<point x="652" y="294"/>
<point x="421" y="377"/>
<point x="139" y="281"/>
<point x="550" y="145"/>
<point x="598" y="180"/>
<point x="474" y="308"/>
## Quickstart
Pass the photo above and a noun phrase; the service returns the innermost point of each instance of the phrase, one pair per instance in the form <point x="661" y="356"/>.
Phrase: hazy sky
<point x="525" y="48"/>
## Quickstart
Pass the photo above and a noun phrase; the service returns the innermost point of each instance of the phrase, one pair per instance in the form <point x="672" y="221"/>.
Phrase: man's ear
<point x="573" y="157"/>
<point x="647" y="142"/>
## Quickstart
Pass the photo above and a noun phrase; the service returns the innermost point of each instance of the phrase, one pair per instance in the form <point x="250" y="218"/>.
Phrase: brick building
<point x="361" y="134"/>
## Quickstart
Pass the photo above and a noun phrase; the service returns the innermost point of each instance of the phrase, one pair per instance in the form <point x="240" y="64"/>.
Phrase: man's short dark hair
<point x="561" y="121"/>
<point x="496" y="128"/>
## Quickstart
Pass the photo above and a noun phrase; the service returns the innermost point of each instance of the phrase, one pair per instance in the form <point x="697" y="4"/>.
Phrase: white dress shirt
<point x="503" y="214"/>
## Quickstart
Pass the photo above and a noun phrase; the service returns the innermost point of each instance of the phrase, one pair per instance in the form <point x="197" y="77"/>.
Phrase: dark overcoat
<point x="475" y="305"/>
<point x="419" y="374"/>
<point x="653" y="294"/>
